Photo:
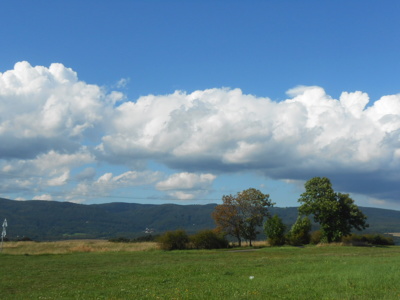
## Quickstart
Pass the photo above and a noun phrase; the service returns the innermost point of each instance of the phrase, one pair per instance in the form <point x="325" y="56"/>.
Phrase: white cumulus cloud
<point x="186" y="180"/>
<point x="224" y="130"/>
<point x="186" y="186"/>
<point x="47" y="108"/>
<point x="48" y="119"/>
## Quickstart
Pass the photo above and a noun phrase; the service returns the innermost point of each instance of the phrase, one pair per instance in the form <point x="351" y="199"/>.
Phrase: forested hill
<point x="51" y="220"/>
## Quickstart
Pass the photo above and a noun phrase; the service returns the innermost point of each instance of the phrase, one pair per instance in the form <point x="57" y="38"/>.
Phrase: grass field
<point x="143" y="272"/>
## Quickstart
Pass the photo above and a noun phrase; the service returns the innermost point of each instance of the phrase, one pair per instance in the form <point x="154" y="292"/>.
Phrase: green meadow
<point x="87" y="272"/>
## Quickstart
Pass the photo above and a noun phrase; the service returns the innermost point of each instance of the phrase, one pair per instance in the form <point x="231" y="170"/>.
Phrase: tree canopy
<point x="335" y="212"/>
<point x="240" y="215"/>
<point x="299" y="234"/>
<point x="275" y="231"/>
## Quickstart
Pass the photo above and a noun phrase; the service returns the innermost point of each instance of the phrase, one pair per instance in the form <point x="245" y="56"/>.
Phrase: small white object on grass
<point x="251" y="277"/>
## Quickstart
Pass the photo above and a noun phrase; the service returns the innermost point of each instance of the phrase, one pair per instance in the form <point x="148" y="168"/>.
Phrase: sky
<point x="186" y="101"/>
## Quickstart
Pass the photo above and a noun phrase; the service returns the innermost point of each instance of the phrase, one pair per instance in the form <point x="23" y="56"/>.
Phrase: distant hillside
<point x="50" y="220"/>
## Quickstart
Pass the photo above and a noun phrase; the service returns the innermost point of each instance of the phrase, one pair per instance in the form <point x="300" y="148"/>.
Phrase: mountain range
<point x="51" y="220"/>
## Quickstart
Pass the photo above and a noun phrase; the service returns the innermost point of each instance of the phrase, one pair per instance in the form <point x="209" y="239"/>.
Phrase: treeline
<point x="211" y="239"/>
<point x="242" y="214"/>
<point x="300" y="234"/>
<point x="336" y="213"/>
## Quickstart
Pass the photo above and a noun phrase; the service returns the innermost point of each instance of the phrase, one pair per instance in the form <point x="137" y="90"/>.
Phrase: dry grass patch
<point x="259" y="244"/>
<point x="256" y="244"/>
<point x="397" y="234"/>
<point x="71" y="246"/>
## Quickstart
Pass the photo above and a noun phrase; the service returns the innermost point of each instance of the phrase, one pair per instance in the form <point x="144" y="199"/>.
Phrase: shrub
<point x="379" y="239"/>
<point x="355" y="240"/>
<point x="369" y="239"/>
<point x="300" y="232"/>
<point x="315" y="237"/>
<point x="145" y="238"/>
<point x="209" y="239"/>
<point x="174" y="240"/>
<point x="275" y="231"/>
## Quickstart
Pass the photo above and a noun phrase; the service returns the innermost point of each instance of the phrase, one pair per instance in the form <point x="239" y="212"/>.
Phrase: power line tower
<point x="3" y="234"/>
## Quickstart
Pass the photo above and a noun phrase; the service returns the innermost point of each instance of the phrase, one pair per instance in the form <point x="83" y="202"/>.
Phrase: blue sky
<point x="185" y="101"/>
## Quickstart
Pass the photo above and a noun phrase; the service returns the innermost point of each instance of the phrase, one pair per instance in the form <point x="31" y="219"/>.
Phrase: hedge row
<point x="180" y="240"/>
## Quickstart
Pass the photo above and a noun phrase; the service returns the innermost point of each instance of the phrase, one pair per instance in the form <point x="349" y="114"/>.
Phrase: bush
<point x="145" y="238"/>
<point x="174" y="240"/>
<point x="209" y="239"/>
<point x="369" y="239"/>
<point x="315" y="237"/>
<point x="355" y="240"/>
<point x="379" y="239"/>
<point x="275" y="231"/>
<point x="300" y="232"/>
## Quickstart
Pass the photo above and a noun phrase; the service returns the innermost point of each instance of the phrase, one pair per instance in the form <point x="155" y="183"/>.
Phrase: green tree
<point x="275" y="231"/>
<point x="299" y="234"/>
<point x="335" y="212"/>
<point x="240" y="215"/>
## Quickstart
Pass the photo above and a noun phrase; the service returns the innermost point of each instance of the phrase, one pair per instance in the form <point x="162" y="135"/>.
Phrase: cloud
<point x="108" y="182"/>
<point x="44" y="197"/>
<point x="186" y="186"/>
<point x="59" y="180"/>
<point x="47" y="170"/>
<point x="186" y="181"/>
<point x="47" y="116"/>
<point x="44" y="109"/>
<point x="122" y="83"/>
<point x="87" y="174"/>
<point x="50" y="164"/>
<point x="55" y="131"/>
<point x="223" y="130"/>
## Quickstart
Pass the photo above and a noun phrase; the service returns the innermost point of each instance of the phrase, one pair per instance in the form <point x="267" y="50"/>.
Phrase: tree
<point x="335" y="212"/>
<point x="252" y="205"/>
<point x="275" y="231"/>
<point x="299" y="234"/>
<point x="227" y="219"/>
<point x="240" y="215"/>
